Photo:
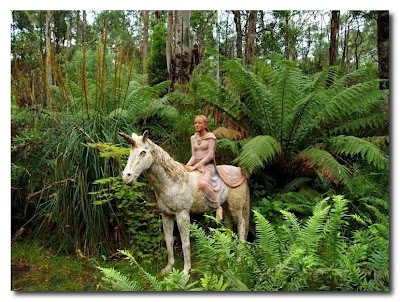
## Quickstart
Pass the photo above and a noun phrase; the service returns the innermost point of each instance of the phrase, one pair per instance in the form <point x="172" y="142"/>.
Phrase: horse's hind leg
<point x="239" y="204"/>
<point x="168" y="226"/>
<point x="227" y="216"/>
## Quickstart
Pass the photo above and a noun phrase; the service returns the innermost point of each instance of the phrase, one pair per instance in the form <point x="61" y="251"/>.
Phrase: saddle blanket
<point x="231" y="175"/>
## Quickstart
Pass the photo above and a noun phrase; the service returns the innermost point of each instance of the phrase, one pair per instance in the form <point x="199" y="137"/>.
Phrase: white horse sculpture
<point x="178" y="195"/>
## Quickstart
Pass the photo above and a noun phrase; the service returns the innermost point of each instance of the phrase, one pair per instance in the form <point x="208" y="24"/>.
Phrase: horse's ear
<point x="145" y="136"/>
<point x="129" y="139"/>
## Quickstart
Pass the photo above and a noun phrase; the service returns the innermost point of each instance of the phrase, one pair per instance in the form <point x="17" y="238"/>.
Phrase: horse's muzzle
<point x="129" y="179"/>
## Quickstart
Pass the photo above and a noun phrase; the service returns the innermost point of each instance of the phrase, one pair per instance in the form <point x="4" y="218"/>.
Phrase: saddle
<point x="231" y="175"/>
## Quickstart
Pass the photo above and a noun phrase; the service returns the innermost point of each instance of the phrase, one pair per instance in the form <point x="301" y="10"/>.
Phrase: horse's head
<point x="140" y="158"/>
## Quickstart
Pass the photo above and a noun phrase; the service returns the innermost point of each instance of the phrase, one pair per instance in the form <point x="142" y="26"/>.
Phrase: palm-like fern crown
<point x="296" y="117"/>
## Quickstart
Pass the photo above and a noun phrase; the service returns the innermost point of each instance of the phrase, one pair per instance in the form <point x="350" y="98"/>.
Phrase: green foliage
<point x="258" y="151"/>
<point x="350" y="145"/>
<point x="297" y="114"/>
<point x="144" y="281"/>
<point x="133" y="214"/>
<point x="156" y="62"/>
<point x="319" y="253"/>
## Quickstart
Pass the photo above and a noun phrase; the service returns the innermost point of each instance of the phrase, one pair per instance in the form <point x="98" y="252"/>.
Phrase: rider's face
<point x="199" y="124"/>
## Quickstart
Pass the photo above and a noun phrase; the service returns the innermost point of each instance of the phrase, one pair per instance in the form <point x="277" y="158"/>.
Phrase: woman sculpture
<point x="203" y="159"/>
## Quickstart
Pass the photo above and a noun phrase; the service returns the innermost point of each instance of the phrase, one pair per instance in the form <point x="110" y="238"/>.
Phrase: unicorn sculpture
<point x="178" y="195"/>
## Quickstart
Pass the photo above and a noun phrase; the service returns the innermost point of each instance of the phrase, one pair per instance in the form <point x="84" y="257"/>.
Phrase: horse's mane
<point x="173" y="168"/>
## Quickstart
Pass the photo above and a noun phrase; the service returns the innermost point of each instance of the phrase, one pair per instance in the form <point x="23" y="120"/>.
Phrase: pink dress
<point x="203" y="154"/>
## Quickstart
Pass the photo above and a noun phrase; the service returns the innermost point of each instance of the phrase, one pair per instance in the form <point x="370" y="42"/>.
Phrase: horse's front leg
<point x="168" y="226"/>
<point x="183" y="220"/>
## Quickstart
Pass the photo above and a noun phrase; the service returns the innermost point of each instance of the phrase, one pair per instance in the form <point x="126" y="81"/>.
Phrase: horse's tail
<point x="246" y="210"/>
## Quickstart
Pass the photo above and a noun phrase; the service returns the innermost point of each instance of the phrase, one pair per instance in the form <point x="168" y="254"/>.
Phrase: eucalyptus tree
<point x="179" y="51"/>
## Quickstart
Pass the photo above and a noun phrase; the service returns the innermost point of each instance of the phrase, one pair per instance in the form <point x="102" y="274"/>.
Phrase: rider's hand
<point x="190" y="168"/>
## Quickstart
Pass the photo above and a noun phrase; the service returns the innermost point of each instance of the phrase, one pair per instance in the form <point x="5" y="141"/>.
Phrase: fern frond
<point x="379" y="141"/>
<point x="325" y="164"/>
<point x="296" y="183"/>
<point x="292" y="224"/>
<point x="118" y="281"/>
<point x="357" y="98"/>
<point x="373" y="121"/>
<point x="266" y="241"/>
<point x="310" y="235"/>
<point x="219" y="96"/>
<point x="154" y="283"/>
<point x="232" y="146"/>
<point x="257" y="152"/>
<point x="350" y="145"/>
<point x="334" y="245"/>
<point x="287" y="87"/>
<point x="255" y="96"/>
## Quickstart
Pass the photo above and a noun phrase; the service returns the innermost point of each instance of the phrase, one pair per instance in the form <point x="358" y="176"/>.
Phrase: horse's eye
<point x="143" y="153"/>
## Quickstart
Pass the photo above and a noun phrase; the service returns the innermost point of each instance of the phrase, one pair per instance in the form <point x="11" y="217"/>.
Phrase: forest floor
<point x="38" y="268"/>
<point x="35" y="267"/>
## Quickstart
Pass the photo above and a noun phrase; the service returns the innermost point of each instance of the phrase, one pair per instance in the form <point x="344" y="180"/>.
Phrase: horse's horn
<point x="129" y="139"/>
<point x="145" y="135"/>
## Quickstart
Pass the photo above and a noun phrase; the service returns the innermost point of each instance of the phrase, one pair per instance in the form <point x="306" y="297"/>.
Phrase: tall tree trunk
<point x="218" y="46"/>
<point x="288" y="46"/>
<point x="144" y="46"/>
<point x="181" y="59"/>
<point x="157" y="14"/>
<point x="84" y="81"/>
<point x="239" y="33"/>
<point x="49" y="77"/>
<point x="250" y="38"/>
<point x="333" y="48"/>
<point x="345" y="54"/>
<point x="383" y="48"/>
<point x="170" y="34"/>
<point x="357" y="43"/>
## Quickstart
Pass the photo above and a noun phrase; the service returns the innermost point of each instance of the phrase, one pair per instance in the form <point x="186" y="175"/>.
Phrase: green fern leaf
<point x="257" y="152"/>
<point x="325" y="164"/>
<point x="257" y="100"/>
<point x="310" y="235"/>
<point x="118" y="281"/>
<point x="350" y="145"/>
<point x="267" y="241"/>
